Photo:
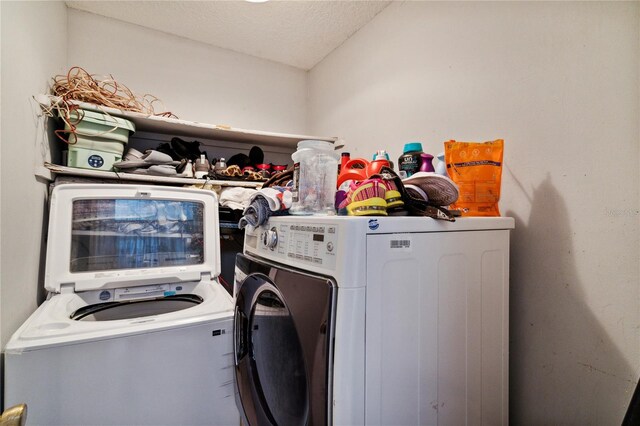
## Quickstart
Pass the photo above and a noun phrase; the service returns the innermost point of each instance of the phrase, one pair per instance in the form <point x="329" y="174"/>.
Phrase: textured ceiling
<point x="297" y="33"/>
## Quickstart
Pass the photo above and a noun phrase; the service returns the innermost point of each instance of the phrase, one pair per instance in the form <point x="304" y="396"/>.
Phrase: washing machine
<point x="376" y="321"/>
<point x="136" y="328"/>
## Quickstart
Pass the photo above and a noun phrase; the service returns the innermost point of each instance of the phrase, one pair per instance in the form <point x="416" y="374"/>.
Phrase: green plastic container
<point x="99" y="141"/>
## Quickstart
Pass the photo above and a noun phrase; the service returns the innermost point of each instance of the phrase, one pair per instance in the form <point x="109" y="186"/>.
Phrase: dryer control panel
<point x="313" y="244"/>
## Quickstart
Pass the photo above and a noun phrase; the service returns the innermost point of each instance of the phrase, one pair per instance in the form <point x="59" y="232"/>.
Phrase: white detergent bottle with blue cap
<point x="381" y="154"/>
<point x="441" y="167"/>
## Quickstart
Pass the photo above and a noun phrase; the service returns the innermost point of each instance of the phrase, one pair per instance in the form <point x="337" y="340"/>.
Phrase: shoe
<point x="241" y="160"/>
<point x="165" y="148"/>
<point x="189" y="150"/>
<point x="157" y="170"/>
<point x="416" y="192"/>
<point x="440" y="190"/>
<point x="134" y="159"/>
<point x="188" y="170"/>
<point x="219" y="165"/>
<point x="256" y="156"/>
<point x="395" y="188"/>
<point x="366" y="198"/>
<point x="392" y="196"/>
<point x="202" y="167"/>
<point x="231" y="171"/>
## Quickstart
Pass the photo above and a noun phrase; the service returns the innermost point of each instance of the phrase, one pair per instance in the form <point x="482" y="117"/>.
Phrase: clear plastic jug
<point x="315" y="173"/>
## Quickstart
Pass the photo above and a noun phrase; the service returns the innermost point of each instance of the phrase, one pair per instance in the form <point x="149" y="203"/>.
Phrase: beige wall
<point x="34" y="46"/>
<point x="560" y="83"/>
<point x="196" y="81"/>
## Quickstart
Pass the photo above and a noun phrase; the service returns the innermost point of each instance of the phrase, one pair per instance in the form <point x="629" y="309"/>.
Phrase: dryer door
<point x="282" y="344"/>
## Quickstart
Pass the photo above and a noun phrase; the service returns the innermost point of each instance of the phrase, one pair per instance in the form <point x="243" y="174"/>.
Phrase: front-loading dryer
<point x="136" y="328"/>
<point x="283" y="343"/>
<point x="375" y="321"/>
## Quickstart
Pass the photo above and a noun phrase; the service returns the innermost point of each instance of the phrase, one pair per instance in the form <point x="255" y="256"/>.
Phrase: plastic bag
<point x="477" y="170"/>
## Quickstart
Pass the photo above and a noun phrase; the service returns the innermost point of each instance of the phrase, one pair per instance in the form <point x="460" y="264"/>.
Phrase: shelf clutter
<point x="154" y="180"/>
<point x="158" y="128"/>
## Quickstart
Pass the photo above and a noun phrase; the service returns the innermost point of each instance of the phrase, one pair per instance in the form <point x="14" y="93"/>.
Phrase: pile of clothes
<point x="273" y="199"/>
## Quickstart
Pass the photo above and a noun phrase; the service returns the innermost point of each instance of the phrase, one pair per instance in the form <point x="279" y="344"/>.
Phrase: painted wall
<point x="195" y="81"/>
<point x="560" y="83"/>
<point x="31" y="53"/>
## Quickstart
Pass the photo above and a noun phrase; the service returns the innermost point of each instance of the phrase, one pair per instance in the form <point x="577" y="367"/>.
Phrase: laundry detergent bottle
<point x="314" y="178"/>
<point x="381" y="154"/>
<point x="411" y="159"/>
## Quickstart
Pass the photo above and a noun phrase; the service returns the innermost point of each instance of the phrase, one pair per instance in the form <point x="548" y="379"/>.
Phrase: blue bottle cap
<point x="412" y="146"/>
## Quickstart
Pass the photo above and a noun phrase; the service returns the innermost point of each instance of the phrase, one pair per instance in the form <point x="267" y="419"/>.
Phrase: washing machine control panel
<point x="300" y="243"/>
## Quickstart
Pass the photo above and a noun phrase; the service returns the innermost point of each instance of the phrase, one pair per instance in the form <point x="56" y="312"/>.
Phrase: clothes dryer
<point x="136" y="328"/>
<point x="376" y="321"/>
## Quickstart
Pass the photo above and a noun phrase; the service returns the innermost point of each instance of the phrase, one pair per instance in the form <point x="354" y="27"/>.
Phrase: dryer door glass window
<point x="110" y="234"/>
<point x="283" y="380"/>
<point x="272" y="375"/>
<point x="283" y="344"/>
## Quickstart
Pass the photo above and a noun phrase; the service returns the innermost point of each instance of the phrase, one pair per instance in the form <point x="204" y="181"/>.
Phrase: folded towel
<point x="256" y="214"/>
<point x="278" y="197"/>
<point x="265" y="203"/>
<point x="237" y="198"/>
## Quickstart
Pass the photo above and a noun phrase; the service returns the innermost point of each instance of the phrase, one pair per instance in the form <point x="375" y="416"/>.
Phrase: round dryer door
<point x="270" y="366"/>
<point x="283" y="344"/>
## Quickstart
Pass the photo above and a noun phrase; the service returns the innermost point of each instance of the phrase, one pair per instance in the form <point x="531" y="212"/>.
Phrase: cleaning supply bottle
<point x="381" y="154"/>
<point x="441" y="167"/>
<point x="426" y="164"/>
<point x="344" y="157"/>
<point x="410" y="159"/>
<point x="374" y="167"/>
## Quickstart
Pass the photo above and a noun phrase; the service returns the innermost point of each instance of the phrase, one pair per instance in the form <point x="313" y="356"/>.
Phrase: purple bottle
<point x="425" y="163"/>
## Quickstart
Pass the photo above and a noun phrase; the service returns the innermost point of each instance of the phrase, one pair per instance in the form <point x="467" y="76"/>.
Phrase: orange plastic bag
<point x="477" y="170"/>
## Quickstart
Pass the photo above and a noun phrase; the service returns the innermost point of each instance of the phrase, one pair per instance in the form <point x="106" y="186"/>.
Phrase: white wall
<point x="34" y="43"/>
<point x="560" y="83"/>
<point x="196" y="81"/>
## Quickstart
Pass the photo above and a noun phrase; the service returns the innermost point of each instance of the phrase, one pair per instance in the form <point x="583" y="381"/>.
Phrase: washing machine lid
<point x="111" y="236"/>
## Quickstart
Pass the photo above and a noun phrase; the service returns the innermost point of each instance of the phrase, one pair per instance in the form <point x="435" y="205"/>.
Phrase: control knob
<point x="270" y="238"/>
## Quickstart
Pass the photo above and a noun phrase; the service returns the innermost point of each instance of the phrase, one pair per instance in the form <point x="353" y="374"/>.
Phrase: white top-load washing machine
<point x="136" y="328"/>
<point x="376" y="321"/>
